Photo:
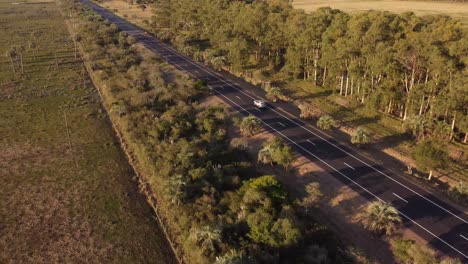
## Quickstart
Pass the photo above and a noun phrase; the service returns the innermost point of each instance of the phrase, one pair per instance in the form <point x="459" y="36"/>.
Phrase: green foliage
<point x="381" y="217"/>
<point x="430" y="155"/>
<point x="448" y="260"/>
<point x="360" y="136"/>
<point x="460" y="192"/>
<point x="325" y="122"/>
<point x="313" y="195"/>
<point x="401" y="249"/>
<point x="275" y="151"/>
<point x="268" y="184"/>
<point x="249" y="126"/>
<point x="207" y="237"/>
<point x="422" y="254"/>
<point x="412" y="252"/>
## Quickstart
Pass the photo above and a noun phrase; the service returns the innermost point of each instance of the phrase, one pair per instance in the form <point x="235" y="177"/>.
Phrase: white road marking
<point x="258" y="109"/>
<point x="238" y="97"/>
<point x="282" y="124"/>
<point x="463" y="237"/>
<point x="349" y="165"/>
<point x="183" y="57"/>
<point x="311" y="142"/>
<point x="400" y="197"/>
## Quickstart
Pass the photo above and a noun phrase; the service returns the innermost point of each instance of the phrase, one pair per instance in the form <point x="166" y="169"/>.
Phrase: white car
<point x="259" y="103"/>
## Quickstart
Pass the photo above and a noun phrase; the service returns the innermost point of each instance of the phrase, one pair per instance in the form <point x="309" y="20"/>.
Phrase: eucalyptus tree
<point x="430" y="155"/>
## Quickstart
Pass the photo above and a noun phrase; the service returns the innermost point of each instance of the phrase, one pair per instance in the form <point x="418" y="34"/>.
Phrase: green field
<point x="66" y="189"/>
<point x="454" y="9"/>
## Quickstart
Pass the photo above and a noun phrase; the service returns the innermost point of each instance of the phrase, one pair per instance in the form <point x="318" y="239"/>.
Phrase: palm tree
<point x="176" y="189"/>
<point x="274" y="93"/>
<point x="325" y="122"/>
<point x="207" y="237"/>
<point x="249" y="126"/>
<point x="360" y="136"/>
<point x="381" y="217"/>
<point x="265" y="156"/>
<point x="11" y="54"/>
<point x="234" y="257"/>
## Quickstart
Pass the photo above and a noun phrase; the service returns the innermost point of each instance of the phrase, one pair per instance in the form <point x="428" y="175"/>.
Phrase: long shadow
<point x="393" y="140"/>
<point x="366" y="120"/>
<point x="457" y="238"/>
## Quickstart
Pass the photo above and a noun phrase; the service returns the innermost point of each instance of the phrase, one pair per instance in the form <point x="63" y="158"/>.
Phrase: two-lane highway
<point x="443" y="226"/>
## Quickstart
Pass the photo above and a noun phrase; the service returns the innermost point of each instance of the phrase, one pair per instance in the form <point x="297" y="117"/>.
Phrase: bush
<point x="360" y="137"/>
<point x="325" y="122"/>
<point x="430" y="155"/>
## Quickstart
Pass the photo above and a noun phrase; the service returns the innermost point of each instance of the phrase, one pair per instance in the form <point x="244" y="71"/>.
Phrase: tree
<point x="313" y="195"/>
<point x="12" y="54"/>
<point x="275" y="93"/>
<point x="448" y="260"/>
<point x="430" y="155"/>
<point x="381" y="217"/>
<point x="207" y="237"/>
<point x="249" y="126"/>
<point x="417" y="125"/>
<point x="325" y="122"/>
<point x="265" y="156"/>
<point x="422" y="254"/>
<point x="360" y="136"/>
<point x="265" y="230"/>
<point x="276" y="151"/>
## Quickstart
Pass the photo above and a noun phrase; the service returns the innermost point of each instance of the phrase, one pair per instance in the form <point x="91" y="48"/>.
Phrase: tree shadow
<point x="392" y="140"/>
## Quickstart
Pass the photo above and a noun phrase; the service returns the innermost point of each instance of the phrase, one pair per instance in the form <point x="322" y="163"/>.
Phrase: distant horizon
<point x="458" y="10"/>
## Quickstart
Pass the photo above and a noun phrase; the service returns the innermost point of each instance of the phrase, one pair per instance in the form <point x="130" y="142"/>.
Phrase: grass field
<point x="66" y="190"/>
<point x="454" y="9"/>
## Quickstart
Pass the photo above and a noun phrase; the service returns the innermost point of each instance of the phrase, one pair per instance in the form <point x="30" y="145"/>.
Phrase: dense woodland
<point x="409" y="67"/>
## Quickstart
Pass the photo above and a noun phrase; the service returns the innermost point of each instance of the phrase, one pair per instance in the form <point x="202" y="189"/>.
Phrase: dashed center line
<point x="463" y="237"/>
<point x="311" y="142"/>
<point x="349" y="165"/>
<point x="282" y="124"/>
<point x="238" y="97"/>
<point x="400" y="197"/>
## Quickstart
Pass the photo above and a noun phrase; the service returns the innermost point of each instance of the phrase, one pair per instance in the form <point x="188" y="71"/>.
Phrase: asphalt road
<point x="442" y="226"/>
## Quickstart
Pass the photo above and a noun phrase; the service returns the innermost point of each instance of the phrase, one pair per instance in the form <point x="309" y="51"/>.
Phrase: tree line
<point x="409" y="67"/>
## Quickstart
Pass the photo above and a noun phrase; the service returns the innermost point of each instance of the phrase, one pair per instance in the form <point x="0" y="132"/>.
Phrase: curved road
<point x="442" y="226"/>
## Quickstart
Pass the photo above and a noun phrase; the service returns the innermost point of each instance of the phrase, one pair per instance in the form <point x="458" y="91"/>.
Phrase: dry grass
<point x="131" y="12"/>
<point x="454" y="9"/>
<point x="60" y="204"/>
